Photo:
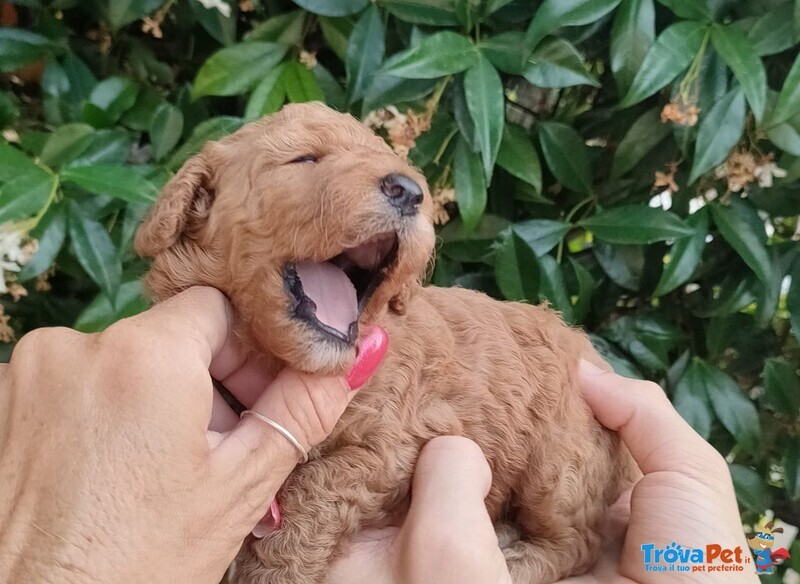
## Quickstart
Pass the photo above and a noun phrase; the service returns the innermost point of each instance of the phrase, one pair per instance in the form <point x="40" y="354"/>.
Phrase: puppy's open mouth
<point x="331" y="295"/>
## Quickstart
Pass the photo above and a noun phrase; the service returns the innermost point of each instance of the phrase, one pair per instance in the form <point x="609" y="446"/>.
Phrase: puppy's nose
<point x="402" y="192"/>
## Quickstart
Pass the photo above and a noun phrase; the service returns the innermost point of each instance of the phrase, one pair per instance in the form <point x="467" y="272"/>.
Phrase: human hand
<point x="447" y="536"/>
<point x="108" y="472"/>
<point x="686" y="494"/>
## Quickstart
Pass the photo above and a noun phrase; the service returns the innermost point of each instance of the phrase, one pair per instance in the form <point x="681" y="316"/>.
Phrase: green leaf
<point x="463" y="245"/>
<point x="328" y="8"/>
<point x="635" y="224"/>
<point x="731" y="406"/>
<point x="685" y="254"/>
<point x="25" y="195"/>
<point x="236" y="69"/>
<point x="744" y="240"/>
<point x="334" y="94"/>
<point x="690" y="399"/>
<point x="503" y="50"/>
<point x="516" y="269"/>
<point x="586" y="288"/>
<point x="50" y="233"/>
<point x="286" y="29"/>
<point x="552" y="287"/>
<point x="66" y="143"/>
<point x="483" y="90"/>
<point x="105" y="147"/>
<point x="336" y="32"/>
<point x="647" y="339"/>
<point x="221" y="27"/>
<point x="364" y="53"/>
<point x="518" y="156"/>
<point x="211" y="129"/>
<point x="773" y="32"/>
<point x="565" y="153"/>
<point x="693" y="10"/>
<point x="557" y="63"/>
<point x="788" y="105"/>
<point x="470" y="185"/>
<point x="541" y="235"/>
<point x="120" y="182"/>
<point x="782" y="386"/>
<point x="430" y="12"/>
<point x="440" y="54"/>
<point x="387" y="90"/>
<point x="793" y="299"/>
<point x="750" y="489"/>
<point x="300" y="84"/>
<point x="644" y="135"/>
<point x="672" y="52"/>
<point x="101" y="312"/>
<point x="165" y="129"/>
<point x="554" y="14"/>
<point x="739" y="54"/>
<point x="268" y="96"/>
<point x="791" y="470"/>
<point x="95" y="251"/>
<point x="632" y="35"/>
<point x="14" y="163"/>
<point x="785" y="136"/>
<point x="20" y="47"/>
<point x="122" y="12"/>
<point x="114" y="96"/>
<point x="719" y="132"/>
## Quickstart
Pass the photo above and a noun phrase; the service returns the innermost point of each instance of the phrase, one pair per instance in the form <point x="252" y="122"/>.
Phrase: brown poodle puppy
<point x="313" y="228"/>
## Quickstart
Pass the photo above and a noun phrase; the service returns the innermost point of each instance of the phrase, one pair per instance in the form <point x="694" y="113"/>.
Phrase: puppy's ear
<point x="399" y="302"/>
<point x="185" y="200"/>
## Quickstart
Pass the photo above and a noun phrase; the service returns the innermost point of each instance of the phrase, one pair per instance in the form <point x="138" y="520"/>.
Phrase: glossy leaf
<point x="102" y="313"/>
<point x="328" y="8"/>
<point x="791" y="470"/>
<point x="95" y="251"/>
<point x="236" y="69"/>
<point x="788" y="105"/>
<point x="440" y="54"/>
<point x="66" y="143"/>
<point x="25" y="195"/>
<point x="430" y="12"/>
<point x="14" y="163"/>
<point x="470" y="185"/>
<point x="719" y="133"/>
<point x="566" y="156"/>
<point x="299" y="83"/>
<point x="635" y="224"/>
<point x="554" y="14"/>
<point x="632" y="35"/>
<point x="518" y="156"/>
<point x="744" y="240"/>
<point x="685" y="254"/>
<point x="268" y="96"/>
<point x="115" y="181"/>
<point x="694" y="10"/>
<point x="782" y="386"/>
<point x="690" y="399"/>
<point x="114" y="96"/>
<point x="50" y="233"/>
<point x="165" y="129"/>
<point x="364" y="52"/>
<point x="286" y="29"/>
<point x="672" y="52"/>
<point x="557" y="63"/>
<point x="211" y="129"/>
<point x="750" y="490"/>
<point x="20" y="47"/>
<point x="552" y="287"/>
<point x="541" y="235"/>
<point x="739" y="54"/>
<point x="623" y="264"/>
<point x="503" y="50"/>
<point x="483" y="91"/>
<point x="516" y="269"/>
<point x="644" y="135"/>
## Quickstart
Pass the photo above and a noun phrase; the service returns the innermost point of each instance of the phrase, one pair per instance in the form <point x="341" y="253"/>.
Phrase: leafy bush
<point x="633" y="163"/>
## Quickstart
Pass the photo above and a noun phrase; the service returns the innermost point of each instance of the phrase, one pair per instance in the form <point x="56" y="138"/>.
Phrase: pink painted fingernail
<point x="270" y="522"/>
<point x="371" y="350"/>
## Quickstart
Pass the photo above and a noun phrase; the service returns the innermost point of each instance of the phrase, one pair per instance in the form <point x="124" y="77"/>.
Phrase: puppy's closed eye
<point x="304" y="158"/>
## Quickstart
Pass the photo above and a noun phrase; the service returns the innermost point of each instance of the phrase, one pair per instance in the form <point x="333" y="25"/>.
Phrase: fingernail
<point x="589" y="368"/>
<point x="270" y="522"/>
<point x="371" y="350"/>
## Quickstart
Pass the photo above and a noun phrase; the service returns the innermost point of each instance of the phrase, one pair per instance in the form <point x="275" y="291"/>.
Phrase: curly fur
<point x="502" y="374"/>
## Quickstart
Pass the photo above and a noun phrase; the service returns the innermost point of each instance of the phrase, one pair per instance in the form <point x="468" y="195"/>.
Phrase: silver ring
<point x="284" y="432"/>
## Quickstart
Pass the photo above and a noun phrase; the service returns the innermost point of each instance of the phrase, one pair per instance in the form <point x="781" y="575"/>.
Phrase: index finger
<point x="658" y="438"/>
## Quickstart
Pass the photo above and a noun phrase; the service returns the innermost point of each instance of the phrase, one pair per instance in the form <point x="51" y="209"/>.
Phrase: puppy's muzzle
<point x="403" y="193"/>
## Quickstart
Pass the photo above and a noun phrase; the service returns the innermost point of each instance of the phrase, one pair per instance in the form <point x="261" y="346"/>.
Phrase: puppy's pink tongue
<point x="332" y="292"/>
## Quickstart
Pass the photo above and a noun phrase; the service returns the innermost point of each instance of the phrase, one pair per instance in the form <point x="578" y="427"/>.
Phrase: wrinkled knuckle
<point x="44" y="343"/>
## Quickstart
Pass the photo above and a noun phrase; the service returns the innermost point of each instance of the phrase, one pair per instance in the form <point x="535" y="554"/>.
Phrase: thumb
<point x="448" y="534"/>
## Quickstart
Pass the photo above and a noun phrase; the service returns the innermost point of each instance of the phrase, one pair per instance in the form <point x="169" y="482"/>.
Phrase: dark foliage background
<point x="632" y="162"/>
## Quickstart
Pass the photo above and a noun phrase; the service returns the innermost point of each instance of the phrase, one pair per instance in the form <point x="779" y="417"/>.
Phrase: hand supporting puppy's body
<point x="513" y="392"/>
<point x="313" y="227"/>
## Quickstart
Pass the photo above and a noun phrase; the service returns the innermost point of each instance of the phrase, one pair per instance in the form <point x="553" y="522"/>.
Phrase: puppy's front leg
<point x="323" y="502"/>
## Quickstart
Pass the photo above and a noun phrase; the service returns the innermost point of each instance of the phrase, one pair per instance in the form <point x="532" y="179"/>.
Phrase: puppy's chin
<point x="301" y="347"/>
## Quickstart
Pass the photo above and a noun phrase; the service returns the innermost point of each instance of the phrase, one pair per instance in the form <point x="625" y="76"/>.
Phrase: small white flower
<point x="12" y="254"/>
<point x="223" y="7"/>
<point x="766" y="172"/>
